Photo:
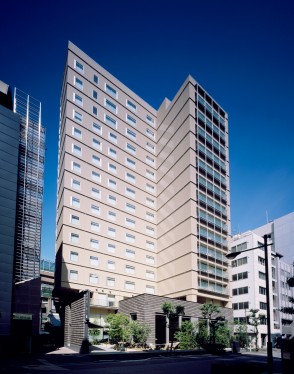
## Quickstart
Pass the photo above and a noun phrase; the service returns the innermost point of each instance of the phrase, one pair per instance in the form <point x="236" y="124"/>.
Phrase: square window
<point x="74" y="256"/>
<point x="130" y="192"/>
<point x="130" y="207"/>
<point x="150" y="245"/>
<point x="129" y="285"/>
<point x="110" y="265"/>
<point x="94" y="243"/>
<point x="131" y="120"/>
<point x="110" y="90"/>
<point x="110" y="282"/>
<point x="150" y="119"/>
<point x="130" y="269"/>
<point x="97" y="128"/>
<point x="149" y="201"/>
<point x="150" y="230"/>
<point x="112" y="168"/>
<point x="96" y="143"/>
<point x="111" y="199"/>
<point x="76" y="184"/>
<point x="77" y="116"/>
<point x="73" y="275"/>
<point x="111" y="215"/>
<point x="131" y="148"/>
<point x="94" y="261"/>
<point x="74" y="238"/>
<point x="150" y="132"/>
<point x="150" y="146"/>
<point x="150" y="188"/>
<point x="150" y="174"/>
<point x="112" y="152"/>
<point x="76" y="167"/>
<point x="75" y="202"/>
<point x="150" y="216"/>
<point x="130" y="253"/>
<point x="110" y="105"/>
<point x="77" y="150"/>
<point x="93" y="278"/>
<point x="111" y="247"/>
<point x="95" y="79"/>
<point x="77" y="133"/>
<point x="96" y="160"/>
<point x="78" y="83"/>
<point x="75" y="220"/>
<point x="130" y="238"/>
<point x="95" y="209"/>
<point x="95" y="226"/>
<point x="112" y="137"/>
<point x="130" y="177"/>
<point x="96" y="176"/>
<point x="96" y="193"/>
<point x="150" y="260"/>
<point x="130" y="222"/>
<point x="131" y="105"/>
<point x="112" y="183"/>
<point x="78" y="99"/>
<point x="79" y="66"/>
<point x="111" y="231"/>
<point x="150" y="274"/>
<point x="150" y="160"/>
<point x="130" y="162"/>
<point x="110" y="121"/>
<point x="131" y="134"/>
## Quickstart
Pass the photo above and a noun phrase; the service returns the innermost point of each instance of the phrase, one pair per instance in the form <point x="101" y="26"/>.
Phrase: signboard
<point x="22" y="316"/>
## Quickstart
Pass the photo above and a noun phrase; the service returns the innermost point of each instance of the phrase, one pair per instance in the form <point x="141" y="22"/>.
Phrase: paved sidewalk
<point x="262" y="352"/>
<point x="62" y="351"/>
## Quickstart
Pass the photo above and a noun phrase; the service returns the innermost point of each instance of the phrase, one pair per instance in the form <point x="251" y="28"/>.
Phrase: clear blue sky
<point x="241" y="52"/>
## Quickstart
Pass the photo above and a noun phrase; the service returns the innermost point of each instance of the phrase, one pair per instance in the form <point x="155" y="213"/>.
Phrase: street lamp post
<point x="231" y="256"/>
<point x="268" y="310"/>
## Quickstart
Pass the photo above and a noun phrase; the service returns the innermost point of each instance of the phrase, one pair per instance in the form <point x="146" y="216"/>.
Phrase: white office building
<point x="248" y="286"/>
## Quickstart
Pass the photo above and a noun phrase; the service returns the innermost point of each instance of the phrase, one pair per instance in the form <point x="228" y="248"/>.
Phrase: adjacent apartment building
<point x="22" y="147"/>
<point x="248" y="288"/>
<point x="143" y="201"/>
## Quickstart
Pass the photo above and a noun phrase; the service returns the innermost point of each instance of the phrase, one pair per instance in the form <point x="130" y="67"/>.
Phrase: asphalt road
<point x="87" y="364"/>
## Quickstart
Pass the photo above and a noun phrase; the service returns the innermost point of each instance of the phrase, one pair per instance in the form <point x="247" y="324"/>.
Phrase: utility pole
<point x="268" y="310"/>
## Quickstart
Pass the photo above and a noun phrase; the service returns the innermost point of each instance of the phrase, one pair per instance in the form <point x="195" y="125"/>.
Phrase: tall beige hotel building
<point x="143" y="195"/>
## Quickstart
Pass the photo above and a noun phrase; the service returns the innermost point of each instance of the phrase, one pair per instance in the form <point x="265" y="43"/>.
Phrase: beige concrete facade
<point x="143" y="194"/>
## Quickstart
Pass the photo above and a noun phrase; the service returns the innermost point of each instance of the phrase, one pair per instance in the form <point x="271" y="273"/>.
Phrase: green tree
<point x="119" y="328"/>
<point x="186" y="335"/>
<point x="172" y="314"/>
<point x="214" y="329"/>
<point x="255" y="319"/>
<point x="167" y="308"/>
<point x="223" y="334"/>
<point x="208" y="310"/>
<point x="140" y="332"/>
<point x="202" y="336"/>
<point x="241" y="334"/>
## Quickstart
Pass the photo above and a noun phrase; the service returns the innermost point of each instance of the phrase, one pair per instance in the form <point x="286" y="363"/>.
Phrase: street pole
<point x="268" y="310"/>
